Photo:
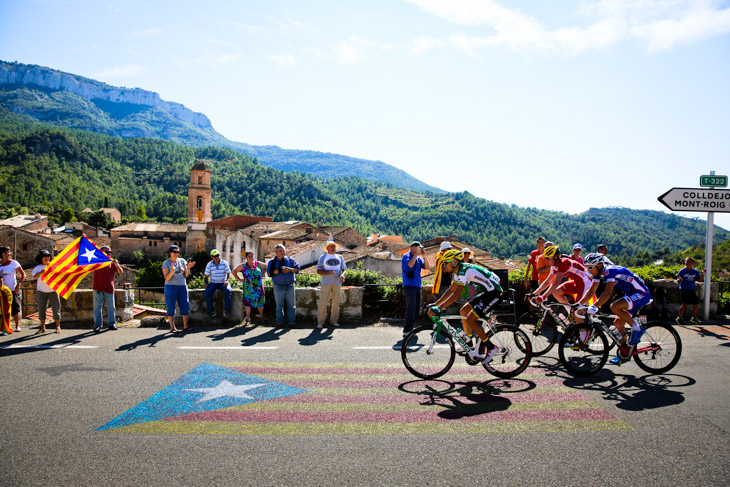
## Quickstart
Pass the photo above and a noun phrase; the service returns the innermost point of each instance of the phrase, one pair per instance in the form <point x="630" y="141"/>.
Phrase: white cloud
<point x="284" y="61"/>
<point x="126" y="71"/>
<point x="145" y="33"/>
<point x="660" y="24"/>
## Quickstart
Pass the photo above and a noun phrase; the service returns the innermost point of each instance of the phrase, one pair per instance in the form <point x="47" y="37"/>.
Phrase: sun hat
<point x="415" y="243"/>
<point x="330" y="242"/>
<point x="445" y="245"/>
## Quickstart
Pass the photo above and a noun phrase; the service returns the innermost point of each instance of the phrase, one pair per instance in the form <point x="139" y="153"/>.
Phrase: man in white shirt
<point x="332" y="269"/>
<point x="219" y="274"/>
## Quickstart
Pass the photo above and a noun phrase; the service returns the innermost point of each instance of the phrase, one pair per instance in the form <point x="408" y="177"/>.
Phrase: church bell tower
<point x="199" y="200"/>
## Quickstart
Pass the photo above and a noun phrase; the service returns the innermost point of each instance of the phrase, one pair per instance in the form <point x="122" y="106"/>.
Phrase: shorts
<point x="575" y="287"/>
<point x="482" y="303"/>
<point x="15" y="305"/>
<point x="177" y="294"/>
<point x="636" y="301"/>
<point x="689" y="296"/>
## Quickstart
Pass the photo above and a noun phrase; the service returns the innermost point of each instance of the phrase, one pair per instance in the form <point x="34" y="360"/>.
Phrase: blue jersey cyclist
<point x="470" y="279"/>
<point x="636" y="295"/>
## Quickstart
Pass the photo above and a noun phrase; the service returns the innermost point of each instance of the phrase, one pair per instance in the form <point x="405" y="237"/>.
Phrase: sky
<point x="561" y="105"/>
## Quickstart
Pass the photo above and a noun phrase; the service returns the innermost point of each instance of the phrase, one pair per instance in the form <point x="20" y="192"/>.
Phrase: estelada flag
<point x="67" y="269"/>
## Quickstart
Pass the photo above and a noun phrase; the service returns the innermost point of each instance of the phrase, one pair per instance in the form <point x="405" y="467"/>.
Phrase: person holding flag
<point x="104" y="290"/>
<point x="67" y="269"/>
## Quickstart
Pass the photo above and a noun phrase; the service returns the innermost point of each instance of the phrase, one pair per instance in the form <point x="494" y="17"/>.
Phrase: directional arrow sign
<point x="697" y="199"/>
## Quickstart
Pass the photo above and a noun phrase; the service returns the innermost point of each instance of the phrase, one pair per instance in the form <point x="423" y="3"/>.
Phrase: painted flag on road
<point x="67" y="269"/>
<point x="325" y="399"/>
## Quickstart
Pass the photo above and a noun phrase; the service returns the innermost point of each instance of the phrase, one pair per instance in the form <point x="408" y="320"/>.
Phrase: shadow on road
<point x="316" y="336"/>
<point x="465" y="399"/>
<point x="635" y="393"/>
<point x="28" y="343"/>
<point x="148" y="342"/>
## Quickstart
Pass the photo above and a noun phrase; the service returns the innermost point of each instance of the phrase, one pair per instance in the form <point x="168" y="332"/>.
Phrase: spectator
<point x="14" y="276"/>
<point x="282" y="270"/>
<point x="687" y="278"/>
<point x="104" y="289"/>
<point x="543" y="268"/>
<point x="467" y="255"/>
<point x="603" y="250"/>
<point x="220" y="274"/>
<point x="332" y="269"/>
<point x="46" y="296"/>
<point x="531" y="274"/>
<point x="253" y="273"/>
<point x="441" y="281"/>
<point x="411" y="264"/>
<point x="577" y="249"/>
<point x="176" y="270"/>
<point x="6" y="302"/>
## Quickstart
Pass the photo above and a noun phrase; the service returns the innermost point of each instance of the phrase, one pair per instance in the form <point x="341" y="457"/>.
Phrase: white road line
<point x="227" y="348"/>
<point x="49" y="346"/>
<point x="394" y="347"/>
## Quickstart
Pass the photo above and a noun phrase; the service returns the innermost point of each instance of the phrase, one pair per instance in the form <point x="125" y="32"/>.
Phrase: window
<point x="200" y="179"/>
<point x="149" y="244"/>
<point x="25" y="246"/>
<point x="155" y="244"/>
<point x="200" y="202"/>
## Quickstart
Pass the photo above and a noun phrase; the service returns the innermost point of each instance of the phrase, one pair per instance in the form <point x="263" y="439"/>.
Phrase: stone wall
<point x="25" y="245"/>
<point x="674" y="300"/>
<point x="79" y="307"/>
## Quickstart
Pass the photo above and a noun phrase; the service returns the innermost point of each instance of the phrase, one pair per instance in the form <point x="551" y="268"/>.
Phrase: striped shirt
<point x="218" y="273"/>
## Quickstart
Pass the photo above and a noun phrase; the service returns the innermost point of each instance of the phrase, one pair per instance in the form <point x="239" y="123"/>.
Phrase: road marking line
<point x="227" y="348"/>
<point x="48" y="346"/>
<point x="392" y="347"/>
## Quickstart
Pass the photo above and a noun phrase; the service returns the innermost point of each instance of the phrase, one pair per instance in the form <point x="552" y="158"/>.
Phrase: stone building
<point x="345" y="236"/>
<point x="153" y="239"/>
<point x="25" y="245"/>
<point x="30" y="223"/>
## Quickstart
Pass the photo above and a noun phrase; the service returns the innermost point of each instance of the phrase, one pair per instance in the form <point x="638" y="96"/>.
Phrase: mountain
<point x="72" y="101"/>
<point x="48" y="169"/>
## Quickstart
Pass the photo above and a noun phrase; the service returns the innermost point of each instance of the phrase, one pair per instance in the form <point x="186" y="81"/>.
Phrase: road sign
<point x="697" y="199"/>
<point x="712" y="180"/>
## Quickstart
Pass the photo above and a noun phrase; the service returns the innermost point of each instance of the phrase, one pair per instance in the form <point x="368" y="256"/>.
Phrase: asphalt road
<point x="115" y="409"/>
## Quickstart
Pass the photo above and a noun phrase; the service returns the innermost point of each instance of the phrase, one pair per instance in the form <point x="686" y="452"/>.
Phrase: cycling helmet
<point x="594" y="259"/>
<point x="552" y="251"/>
<point x="450" y="255"/>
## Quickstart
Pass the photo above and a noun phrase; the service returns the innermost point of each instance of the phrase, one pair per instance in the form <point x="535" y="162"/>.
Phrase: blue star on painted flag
<point x="90" y="254"/>
<point x="205" y="388"/>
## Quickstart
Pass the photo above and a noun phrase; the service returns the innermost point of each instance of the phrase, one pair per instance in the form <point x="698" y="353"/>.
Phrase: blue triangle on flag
<point x="205" y="388"/>
<point x="89" y="253"/>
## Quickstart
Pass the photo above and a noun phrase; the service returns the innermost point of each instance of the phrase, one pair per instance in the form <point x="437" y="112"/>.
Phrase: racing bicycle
<point x="658" y="351"/>
<point x="542" y="328"/>
<point x="428" y="351"/>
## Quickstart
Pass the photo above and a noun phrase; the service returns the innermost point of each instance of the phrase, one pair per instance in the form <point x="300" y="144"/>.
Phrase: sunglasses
<point x="174" y="251"/>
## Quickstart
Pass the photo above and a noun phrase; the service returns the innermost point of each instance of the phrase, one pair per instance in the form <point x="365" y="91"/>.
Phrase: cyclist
<point x="578" y="279"/>
<point x="487" y="293"/>
<point x="636" y="296"/>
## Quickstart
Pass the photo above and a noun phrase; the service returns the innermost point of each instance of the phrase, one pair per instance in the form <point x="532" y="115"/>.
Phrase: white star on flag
<point x="89" y="254"/>
<point x="225" y="389"/>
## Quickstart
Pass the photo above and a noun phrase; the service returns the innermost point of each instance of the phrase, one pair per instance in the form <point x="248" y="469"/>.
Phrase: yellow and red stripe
<point x="63" y="273"/>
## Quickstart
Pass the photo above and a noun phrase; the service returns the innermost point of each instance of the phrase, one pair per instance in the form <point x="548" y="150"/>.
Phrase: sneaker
<point x="694" y="320"/>
<point x="226" y="315"/>
<point x="18" y="329"/>
<point x="320" y="326"/>
<point x="679" y="321"/>
<point x="490" y="355"/>
<point x="112" y="327"/>
<point x="615" y="361"/>
<point x="97" y="329"/>
<point x="636" y="336"/>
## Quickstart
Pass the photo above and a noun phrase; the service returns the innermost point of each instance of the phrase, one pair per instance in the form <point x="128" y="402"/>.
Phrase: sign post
<point x="702" y="199"/>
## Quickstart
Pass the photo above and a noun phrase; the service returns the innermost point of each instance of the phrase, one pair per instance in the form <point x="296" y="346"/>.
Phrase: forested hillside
<point x="69" y="110"/>
<point x="45" y="166"/>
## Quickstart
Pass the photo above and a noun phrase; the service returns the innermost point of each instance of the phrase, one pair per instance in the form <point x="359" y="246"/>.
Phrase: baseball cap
<point x="173" y="247"/>
<point x="214" y="253"/>
<point x="465" y="250"/>
<point x="415" y="243"/>
<point x="577" y="246"/>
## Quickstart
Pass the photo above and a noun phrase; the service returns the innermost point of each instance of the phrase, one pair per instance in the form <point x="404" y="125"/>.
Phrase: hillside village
<point x="232" y="236"/>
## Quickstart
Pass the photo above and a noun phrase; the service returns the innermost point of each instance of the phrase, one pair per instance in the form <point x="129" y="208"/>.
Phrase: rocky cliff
<point x="27" y="74"/>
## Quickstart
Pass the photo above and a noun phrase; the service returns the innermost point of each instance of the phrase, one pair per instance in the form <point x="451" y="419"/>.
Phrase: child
<point x="6" y="299"/>
<point x="687" y="279"/>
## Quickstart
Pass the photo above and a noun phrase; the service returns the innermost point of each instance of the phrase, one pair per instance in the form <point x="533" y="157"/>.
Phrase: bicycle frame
<point x="652" y="346"/>
<point x="547" y="309"/>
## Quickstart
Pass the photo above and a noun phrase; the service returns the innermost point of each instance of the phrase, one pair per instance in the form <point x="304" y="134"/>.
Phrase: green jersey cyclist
<point x="470" y="279"/>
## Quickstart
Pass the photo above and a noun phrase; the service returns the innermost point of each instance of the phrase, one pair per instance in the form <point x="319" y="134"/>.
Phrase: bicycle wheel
<point x="584" y="358"/>
<point x="513" y="354"/>
<point x="659" y="349"/>
<point x="427" y="355"/>
<point x="542" y="332"/>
